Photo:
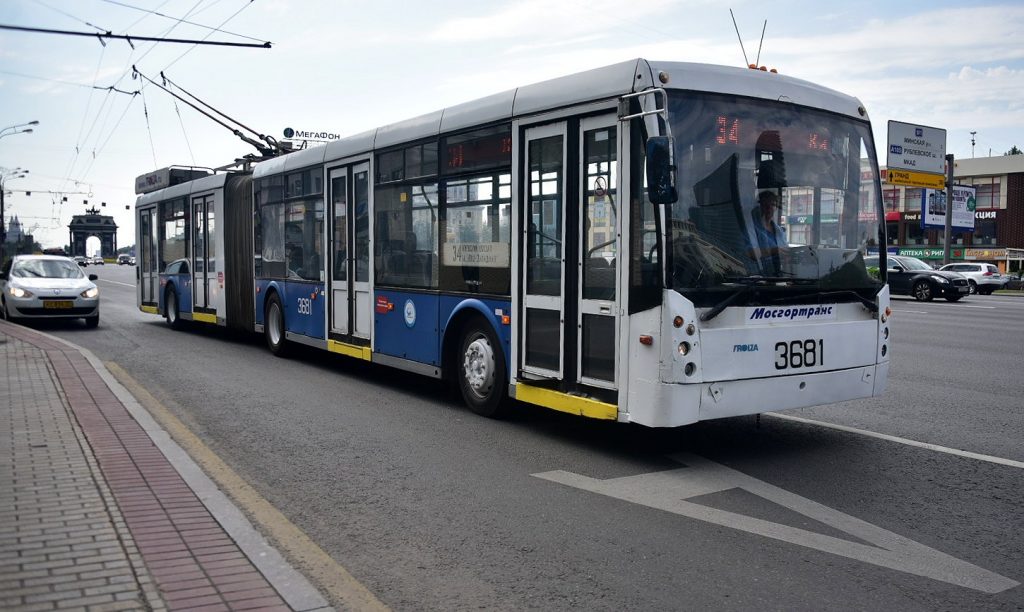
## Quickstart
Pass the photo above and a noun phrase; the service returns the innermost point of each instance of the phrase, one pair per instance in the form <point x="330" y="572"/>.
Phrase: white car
<point x="48" y="287"/>
<point x="983" y="277"/>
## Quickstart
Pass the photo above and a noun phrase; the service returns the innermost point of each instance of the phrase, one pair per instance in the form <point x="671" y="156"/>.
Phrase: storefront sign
<point x="985" y="254"/>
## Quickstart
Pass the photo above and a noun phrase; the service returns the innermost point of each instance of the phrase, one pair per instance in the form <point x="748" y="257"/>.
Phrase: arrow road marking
<point x="670" y="490"/>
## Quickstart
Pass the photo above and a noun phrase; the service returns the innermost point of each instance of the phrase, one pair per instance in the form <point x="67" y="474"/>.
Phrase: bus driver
<point x="771" y="239"/>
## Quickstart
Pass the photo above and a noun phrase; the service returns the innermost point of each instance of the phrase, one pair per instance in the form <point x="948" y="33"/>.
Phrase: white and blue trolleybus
<point x="656" y="243"/>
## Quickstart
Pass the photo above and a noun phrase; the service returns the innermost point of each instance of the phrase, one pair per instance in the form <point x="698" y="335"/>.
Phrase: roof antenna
<point x="761" y="44"/>
<point x="745" y="60"/>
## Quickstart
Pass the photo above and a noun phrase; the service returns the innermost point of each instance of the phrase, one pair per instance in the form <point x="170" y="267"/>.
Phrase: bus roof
<point x="604" y="83"/>
<point x="183" y="189"/>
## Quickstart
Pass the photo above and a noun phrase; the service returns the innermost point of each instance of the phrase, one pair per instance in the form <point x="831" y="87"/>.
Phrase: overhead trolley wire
<point x="185" y="21"/>
<point x="130" y="38"/>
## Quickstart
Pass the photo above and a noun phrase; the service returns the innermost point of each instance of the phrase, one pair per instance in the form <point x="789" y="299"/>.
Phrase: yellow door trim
<point x="149" y="309"/>
<point x="204" y="317"/>
<point x="563" y="402"/>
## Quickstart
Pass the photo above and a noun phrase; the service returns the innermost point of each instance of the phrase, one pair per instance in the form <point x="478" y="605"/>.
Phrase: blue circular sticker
<point x="410" y="313"/>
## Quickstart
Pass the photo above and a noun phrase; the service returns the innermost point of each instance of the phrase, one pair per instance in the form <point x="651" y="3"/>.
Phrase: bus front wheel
<point x="481" y="371"/>
<point x="274" y="327"/>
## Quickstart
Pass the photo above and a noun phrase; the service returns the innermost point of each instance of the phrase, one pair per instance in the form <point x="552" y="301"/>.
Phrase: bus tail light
<point x="684" y="348"/>
<point x="646" y="340"/>
<point x="678" y="321"/>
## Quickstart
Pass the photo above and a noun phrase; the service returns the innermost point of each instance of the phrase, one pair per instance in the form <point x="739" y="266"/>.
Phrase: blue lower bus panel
<point x="303" y="305"/>
<point x="405" y="326"/>
<point x="182" y="284"/>
<point x="491" y="310"/>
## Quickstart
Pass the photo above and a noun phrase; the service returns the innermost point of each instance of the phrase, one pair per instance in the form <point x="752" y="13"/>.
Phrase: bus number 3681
<point x="799" y="354"/>
<point x="305" y="306"/>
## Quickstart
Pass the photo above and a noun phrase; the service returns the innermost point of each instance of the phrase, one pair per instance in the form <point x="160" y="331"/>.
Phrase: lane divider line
<point x="899" y="440"/>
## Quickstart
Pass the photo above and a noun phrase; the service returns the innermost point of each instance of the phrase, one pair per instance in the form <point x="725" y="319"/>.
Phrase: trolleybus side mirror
<point x="661" y="170"/>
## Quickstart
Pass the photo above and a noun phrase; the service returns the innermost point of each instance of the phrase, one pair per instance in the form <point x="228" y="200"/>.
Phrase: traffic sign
<point x="915" y="179"/>
<point x="916" y="148"/>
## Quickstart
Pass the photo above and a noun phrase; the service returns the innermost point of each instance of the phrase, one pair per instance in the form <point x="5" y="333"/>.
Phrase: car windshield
<point x="913" y="263"/>
<point x="773" y="191"/>
<point x="46" y="268"/>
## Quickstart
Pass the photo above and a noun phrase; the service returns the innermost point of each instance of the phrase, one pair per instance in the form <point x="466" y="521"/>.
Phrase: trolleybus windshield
<point x="770" y="194"/>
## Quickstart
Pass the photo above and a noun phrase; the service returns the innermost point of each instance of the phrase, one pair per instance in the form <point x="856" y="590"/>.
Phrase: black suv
<point x="911" y="276"/>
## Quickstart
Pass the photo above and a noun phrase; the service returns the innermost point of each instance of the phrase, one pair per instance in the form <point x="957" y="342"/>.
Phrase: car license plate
<point x="58" y="304"/>
<point x="964" y="289"/>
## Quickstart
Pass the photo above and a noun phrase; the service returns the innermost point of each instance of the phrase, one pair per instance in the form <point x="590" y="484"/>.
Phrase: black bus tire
<point x="480" y="369"/>
<point x="274" y="327"/>
<point x="172" y="310"/>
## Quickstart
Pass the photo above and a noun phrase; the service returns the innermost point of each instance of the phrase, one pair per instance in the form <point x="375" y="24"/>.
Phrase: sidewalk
<point x="93" y="514"/>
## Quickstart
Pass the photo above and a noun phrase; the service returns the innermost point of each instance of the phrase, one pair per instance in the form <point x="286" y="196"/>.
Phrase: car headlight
<point x="91" y="292"/>
<point x="18" y="292"/>
<point x="941" y="279"/>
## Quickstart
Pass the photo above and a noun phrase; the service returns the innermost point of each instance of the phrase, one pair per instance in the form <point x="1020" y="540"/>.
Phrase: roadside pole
<point x="947" y="237"/>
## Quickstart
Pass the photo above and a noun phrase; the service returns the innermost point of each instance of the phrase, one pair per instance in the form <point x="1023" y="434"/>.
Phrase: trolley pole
<point x="947" y="235"/>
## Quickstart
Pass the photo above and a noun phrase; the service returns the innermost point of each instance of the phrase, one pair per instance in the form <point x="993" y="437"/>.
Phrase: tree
<point x="1014" y="151"/>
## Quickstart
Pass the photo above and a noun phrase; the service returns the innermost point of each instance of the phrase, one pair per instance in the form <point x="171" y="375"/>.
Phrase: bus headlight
<point x="91" y="292"/>
<point x="18" y="292"/>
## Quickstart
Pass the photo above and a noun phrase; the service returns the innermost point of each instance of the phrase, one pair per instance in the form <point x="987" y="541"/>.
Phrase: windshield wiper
<point x="719" y="307"/>
<point x="872" y="306"/>
<point x="750" y="283"/>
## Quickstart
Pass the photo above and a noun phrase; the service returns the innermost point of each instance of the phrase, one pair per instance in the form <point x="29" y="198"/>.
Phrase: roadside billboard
<point x="933" y="208"/>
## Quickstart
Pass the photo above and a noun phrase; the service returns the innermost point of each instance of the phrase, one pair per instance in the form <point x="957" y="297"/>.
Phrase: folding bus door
<point x="203" y="252"/>
<point x="350" y="316"/>
<point x="570" y="254"/>
<point x="598" y="260"/>
<point x="543" y="255"/>
<point x="148" y="261"/>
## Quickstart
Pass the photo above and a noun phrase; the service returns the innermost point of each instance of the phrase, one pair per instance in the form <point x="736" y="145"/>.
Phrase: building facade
<point x="998" y="235"/>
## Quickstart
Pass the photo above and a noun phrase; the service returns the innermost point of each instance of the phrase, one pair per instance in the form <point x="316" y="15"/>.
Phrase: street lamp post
<point x="17" y="173"/>
<point x="18" y="128"/>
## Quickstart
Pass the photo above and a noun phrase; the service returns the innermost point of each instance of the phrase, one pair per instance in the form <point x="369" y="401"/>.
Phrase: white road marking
<point x="914" y="311"/>
<point x="908" y="442"/>
<point x="670" y="490"/>
<point x="116" y="282"/>
<point x="966" y="306"/>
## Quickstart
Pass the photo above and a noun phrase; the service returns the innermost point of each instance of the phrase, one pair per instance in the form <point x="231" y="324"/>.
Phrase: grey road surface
<point x="433" y="508"/>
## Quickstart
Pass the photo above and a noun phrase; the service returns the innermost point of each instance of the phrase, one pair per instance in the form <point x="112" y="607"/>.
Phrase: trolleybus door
<point x="543" y="259"/>
<point x="598" y="252"/>
<point x="203" y="251"/>
<point x="148" y="267"/>
<point x="350" y="252"/>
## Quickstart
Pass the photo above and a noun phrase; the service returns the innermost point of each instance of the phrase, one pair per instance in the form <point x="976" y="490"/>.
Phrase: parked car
<point x="97" y="260"/>
<point x="131" y="260"/>
<point x="81" y="260"/>
<point x="125" y="260"/>
<point x="984" y="278"/>
<point x="48" y="287"/>
<point x="911" y="276"/>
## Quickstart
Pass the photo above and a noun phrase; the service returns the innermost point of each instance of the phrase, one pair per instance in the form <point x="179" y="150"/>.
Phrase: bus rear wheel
<point x="172" y="310"/>
<point x="481" y="371"/>
<point x="273" y="327"/>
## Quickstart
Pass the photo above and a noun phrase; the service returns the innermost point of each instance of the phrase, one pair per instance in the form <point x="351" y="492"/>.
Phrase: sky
<point x="346" y="66"/>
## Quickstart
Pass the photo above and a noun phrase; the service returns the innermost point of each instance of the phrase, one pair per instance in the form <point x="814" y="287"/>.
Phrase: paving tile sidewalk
<point x="92" y="514"/>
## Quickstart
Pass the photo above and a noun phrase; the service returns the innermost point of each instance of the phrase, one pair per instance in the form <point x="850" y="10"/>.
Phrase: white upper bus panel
<point x="755" y="84"/>
<point x="605" y="83"/>
<point x="410" y="129"/>
<point x="350" y="145"/>
<point x="207" y="183"/>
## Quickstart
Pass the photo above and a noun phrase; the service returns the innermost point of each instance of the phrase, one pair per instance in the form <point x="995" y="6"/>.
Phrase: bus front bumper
<point x="658" y="404"/>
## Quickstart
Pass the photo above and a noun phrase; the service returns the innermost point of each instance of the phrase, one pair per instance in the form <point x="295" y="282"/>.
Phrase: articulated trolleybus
<point x="657" y="243"/>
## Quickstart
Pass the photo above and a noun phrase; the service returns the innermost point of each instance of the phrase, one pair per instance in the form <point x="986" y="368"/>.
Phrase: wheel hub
<point x="478" y="366"/>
